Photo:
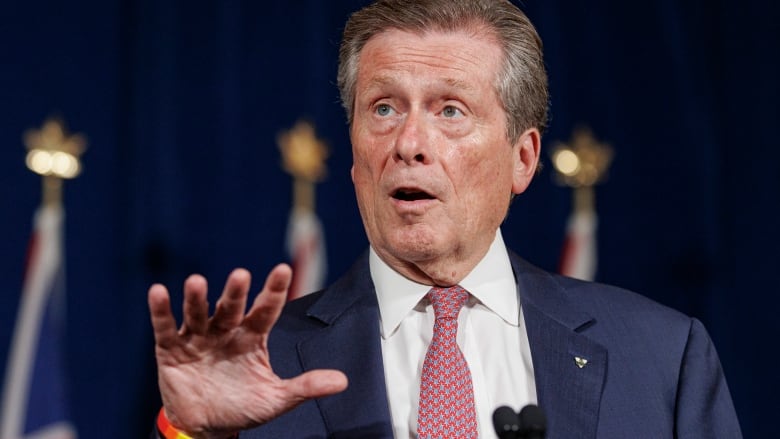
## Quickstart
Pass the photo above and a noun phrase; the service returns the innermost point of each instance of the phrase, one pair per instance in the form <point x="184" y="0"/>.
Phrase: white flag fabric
<point x="579" y="256"/>
<point x="306" y="248"/>
<point x="34" y="397"/>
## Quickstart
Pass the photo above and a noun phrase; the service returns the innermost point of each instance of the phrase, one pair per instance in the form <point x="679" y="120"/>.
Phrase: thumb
<point x="316" y="384"/>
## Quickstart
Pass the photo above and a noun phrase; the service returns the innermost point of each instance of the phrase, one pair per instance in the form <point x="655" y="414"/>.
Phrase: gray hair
<point x="521" y="83"/>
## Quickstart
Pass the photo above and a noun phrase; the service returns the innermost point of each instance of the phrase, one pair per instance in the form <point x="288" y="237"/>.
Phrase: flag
<point x="34" y="404"/>
<point x="579" y="257"/>
<point x="306" y="248"/>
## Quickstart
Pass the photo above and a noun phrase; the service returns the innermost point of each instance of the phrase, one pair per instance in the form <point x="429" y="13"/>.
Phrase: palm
<point x="215" y="374"/>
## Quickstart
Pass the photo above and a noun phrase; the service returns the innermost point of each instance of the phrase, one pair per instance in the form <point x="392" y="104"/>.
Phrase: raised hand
<point x="215" y="373"/>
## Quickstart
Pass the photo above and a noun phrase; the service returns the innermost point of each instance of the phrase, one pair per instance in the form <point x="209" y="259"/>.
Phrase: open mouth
<point x="411" y="195"/>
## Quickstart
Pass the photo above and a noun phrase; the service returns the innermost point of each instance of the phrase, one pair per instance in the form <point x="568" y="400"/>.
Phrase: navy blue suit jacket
<point x="651" y="372"/>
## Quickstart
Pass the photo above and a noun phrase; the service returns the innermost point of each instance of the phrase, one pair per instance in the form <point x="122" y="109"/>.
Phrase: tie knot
<point x="447" y="302"/>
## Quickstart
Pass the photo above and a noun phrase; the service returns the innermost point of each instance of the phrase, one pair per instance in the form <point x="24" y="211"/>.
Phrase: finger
<point x="196" y="305"/>
<point x="163" y="322"/>
<point x="316" y="384"/>
<point x="231" y="305"/>
<point x="268" y="304"/>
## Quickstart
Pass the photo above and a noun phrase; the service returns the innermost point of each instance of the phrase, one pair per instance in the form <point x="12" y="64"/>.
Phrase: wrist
<point x="168" y="431"/>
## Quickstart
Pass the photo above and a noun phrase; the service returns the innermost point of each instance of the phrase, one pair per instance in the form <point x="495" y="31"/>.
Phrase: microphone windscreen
<point x="506" y="422"/>
<point x="533" y="423"/>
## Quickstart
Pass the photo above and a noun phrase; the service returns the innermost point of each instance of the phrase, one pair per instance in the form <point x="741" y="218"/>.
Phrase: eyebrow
<point x="380" y="80"/>
<point x="459" y="84"/>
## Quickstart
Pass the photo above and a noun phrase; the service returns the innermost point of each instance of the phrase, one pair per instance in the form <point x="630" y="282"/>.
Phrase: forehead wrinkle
<point x="391" y="74"/>
<point x="411" y="54"/>
<point x="379" y="81"/>
<point x="387" y="67"/>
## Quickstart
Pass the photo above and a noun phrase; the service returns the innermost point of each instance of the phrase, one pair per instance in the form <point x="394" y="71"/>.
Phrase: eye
<point x="450" y="111"/>
<point x="383" y="110"/>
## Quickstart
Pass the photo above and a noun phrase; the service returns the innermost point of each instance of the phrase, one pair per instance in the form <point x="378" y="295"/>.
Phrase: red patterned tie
<point x="446" y="396"/>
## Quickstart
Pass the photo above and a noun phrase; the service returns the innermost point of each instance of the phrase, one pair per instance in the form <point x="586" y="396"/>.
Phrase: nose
<point x="412" y="144"/>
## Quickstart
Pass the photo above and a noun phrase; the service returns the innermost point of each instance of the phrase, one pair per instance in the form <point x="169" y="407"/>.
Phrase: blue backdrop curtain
<point x="182" y="102"/>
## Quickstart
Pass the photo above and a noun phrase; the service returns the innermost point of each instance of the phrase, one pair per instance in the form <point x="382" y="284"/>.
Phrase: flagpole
<point x="303" y="157"/>
<point x="581" y="165"/>
<point x="55" y="156"/>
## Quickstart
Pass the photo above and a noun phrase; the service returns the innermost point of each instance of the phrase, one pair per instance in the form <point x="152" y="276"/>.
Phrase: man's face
<point x="433" y="169"/>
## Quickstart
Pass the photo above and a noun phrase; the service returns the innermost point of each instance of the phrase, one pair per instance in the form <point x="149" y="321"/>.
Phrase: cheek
<point x="361" y="169"/>
<point x="474" y="164"/>
<point x="365" y="174"/>
<point x="486" y="177"/>
<point x="368" y="158"/>
<point x="359" y="156"/>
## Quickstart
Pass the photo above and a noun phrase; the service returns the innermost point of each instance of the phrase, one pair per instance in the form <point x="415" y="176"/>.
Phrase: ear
<point x="352" y="173"/>
<point x="526" y="159"/>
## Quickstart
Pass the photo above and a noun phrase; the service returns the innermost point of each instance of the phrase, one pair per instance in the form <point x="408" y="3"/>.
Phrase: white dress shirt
<point x="491" y="335"/>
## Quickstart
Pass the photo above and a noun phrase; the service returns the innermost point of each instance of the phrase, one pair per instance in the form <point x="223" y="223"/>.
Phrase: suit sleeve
<point x="704" y="407"/>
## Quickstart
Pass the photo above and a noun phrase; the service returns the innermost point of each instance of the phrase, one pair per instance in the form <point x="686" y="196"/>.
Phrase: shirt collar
<point x="491" y="282"/>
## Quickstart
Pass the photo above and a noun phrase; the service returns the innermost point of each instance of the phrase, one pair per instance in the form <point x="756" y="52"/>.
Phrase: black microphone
<point x="506" y="422"/>
<point x="533" y="423"/>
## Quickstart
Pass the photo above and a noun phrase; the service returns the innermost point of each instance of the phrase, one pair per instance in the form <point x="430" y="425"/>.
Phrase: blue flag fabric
<point x="34" y="397"/>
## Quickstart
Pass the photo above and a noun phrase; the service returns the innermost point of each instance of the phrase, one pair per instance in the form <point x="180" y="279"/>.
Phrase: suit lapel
<point x="570" y="395"/>
<point x="350" y="342"/>
<point x="569" y="368"/>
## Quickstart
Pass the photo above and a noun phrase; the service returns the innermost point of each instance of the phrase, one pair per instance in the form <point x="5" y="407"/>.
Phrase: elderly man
<point x="438" y="323"/>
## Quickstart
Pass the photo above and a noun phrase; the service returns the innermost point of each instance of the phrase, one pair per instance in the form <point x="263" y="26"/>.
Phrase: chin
<point x="415" y="245"/>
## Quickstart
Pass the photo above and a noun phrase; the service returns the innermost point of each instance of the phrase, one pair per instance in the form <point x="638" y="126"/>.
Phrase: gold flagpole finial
<point x="583" y="161"/>
<point x="303" y="157"/>
<point x="54" y="154"/>
<point x="581" y="164"/>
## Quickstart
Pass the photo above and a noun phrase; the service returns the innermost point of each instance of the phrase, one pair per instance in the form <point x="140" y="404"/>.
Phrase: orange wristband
<point x="167" y="430"/>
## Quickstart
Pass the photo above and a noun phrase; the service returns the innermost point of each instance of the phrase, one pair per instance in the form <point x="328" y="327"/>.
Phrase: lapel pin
<point x="581" y="362"/>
